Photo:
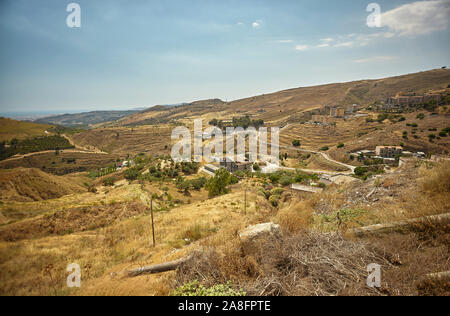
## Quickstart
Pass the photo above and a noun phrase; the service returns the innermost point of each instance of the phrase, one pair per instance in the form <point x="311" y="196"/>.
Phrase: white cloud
<point x="418" y="18"/>
<point x="344" y="44"/>
<point x="374" y="59"/>
<point x="301" y="47"/>
<point x="327" y="40"/>
<point x="323" y="45"/>
<point x="256" y="24"/>
<point x="284" y="41"/>
<point x="240" y="24"/>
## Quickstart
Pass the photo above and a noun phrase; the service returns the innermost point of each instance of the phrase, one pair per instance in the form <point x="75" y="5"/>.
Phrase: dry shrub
<point x="297" y="217"/>
<point x="302" y="264"/>
<point x="417" y="254"/>
<point x="437" y="179"/>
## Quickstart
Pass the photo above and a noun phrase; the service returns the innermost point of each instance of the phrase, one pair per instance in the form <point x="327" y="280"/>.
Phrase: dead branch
<point x="157" y="268"/>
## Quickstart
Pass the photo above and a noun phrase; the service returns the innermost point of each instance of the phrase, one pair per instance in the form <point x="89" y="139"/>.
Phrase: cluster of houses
<point x="124" y="164"/>
<point x="330" y="114"/>
<point x="388" y="154"/>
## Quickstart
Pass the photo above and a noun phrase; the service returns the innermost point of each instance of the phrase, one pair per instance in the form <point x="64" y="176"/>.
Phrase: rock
<point x="260" y="230"/>
<point x="253" y="237"/>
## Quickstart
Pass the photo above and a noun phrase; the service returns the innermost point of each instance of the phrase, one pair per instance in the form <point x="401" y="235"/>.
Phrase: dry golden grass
<point x="10" y="129"/>
<point x="107" y="252"/>
<point x="25" y="185"/>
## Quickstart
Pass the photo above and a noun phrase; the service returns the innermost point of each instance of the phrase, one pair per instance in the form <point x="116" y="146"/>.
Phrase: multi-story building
<point x="388" y="151"/>
<point x="233" y="166"/>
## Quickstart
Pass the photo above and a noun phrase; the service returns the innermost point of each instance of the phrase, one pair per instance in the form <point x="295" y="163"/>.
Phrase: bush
<point x="131" y="174"/>
<point x="274" y="199"/>
<point x="341" y="145"/>
<point x="325" y="148"/>
<point x="194" y="288"/>
<point x="109" y="181"/>
<point x="421" y="116"/>
<point x="361" y="171"/>
<point x="296" y="143"/>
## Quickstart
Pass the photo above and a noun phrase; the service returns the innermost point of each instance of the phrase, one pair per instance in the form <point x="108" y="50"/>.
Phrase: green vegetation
<point x="32" y="145"/>
<point x="218" y="184"/>
<point x="341" y="145"/>
<point x="365" y="172"/>
<point x="109" y="181"/>
<point x="186" y="185"/>
<point x="421" y="116"/>
<point x="325" y="148"/>
<point x="194" y="288"/>
<point x="133" y="173"/>
<point x="331" y="222"/>
<point x="243" y="122"/>
<point x="296" y="143"/>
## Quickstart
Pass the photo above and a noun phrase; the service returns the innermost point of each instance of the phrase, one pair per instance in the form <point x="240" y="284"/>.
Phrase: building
<point x="388" y="151"/>
<point x="320" y="119"/>
<point x="211" y="168"/>
<point x="233" y="166"/>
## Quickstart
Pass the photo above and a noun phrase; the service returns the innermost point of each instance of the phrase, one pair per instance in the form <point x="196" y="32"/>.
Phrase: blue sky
<point x="138" y="53"/>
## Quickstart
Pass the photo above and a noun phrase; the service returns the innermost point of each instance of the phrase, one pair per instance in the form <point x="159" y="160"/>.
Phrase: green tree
<point x="218" y="184"/>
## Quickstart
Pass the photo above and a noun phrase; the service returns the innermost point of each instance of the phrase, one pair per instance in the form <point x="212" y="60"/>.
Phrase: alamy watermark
<point x="374" y="278"/>
<point x="374" y="19"/>
<point x="213" y="150"/>
<point x="74" y="278"/>
<point x="74" y="18"/>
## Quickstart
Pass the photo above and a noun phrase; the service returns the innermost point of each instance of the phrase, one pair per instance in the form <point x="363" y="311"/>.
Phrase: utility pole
<point x="153" y="223"/>
<point x="245" y="197"/>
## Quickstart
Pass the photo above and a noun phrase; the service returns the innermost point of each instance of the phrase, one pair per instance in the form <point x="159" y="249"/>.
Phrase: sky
<point x="140" y="53"/>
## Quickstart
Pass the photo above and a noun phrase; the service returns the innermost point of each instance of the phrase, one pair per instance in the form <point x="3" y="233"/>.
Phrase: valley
<point x="94" y="203"/>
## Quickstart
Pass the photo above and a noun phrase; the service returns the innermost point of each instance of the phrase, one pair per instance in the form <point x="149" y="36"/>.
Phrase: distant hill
<point x="285" y="106"/>
<point x="86" y="119"/>
<point x="10" y="129"/>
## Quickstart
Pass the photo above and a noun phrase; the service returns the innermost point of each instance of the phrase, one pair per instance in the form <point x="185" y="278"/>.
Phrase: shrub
<point x="194" y="288"/>
<point x="361" y="171"/>
<point x="274" y="199"/>
<point x="131" y="174"/>
<point x="437" y="179"/>
<point x="296" y="143"/>
<point x="341" y="145"/>
<point x="109" y="181"/>
<point x="421" y="116"/>
<point x="325" y="148"/>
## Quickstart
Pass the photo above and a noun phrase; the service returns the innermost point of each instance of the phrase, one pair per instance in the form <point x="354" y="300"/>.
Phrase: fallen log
<point x="403" y="225"/>
<point x="157" y="268"/>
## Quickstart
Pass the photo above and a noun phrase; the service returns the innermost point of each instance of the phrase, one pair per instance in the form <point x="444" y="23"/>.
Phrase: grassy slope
<point x="25" y="185"/>
<point x="10" y="129"/>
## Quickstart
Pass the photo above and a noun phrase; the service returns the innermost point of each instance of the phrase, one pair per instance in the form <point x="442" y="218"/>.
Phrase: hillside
<point x="85" y="119"/>
<point x="24" y="185"/>
<point x="10" y="129"/>
<point x="286" y="105"/>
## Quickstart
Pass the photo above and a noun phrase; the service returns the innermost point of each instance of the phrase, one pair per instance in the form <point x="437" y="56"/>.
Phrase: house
<point x="211" y="168"/>
<point x="388" y="151"/>
<point x="233" y="166"/>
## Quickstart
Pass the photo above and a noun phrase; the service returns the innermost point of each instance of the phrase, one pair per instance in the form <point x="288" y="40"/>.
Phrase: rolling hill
<point x="85" y="119"/>
<point x="284" y="106"/>
<point x="10" y="129"/>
